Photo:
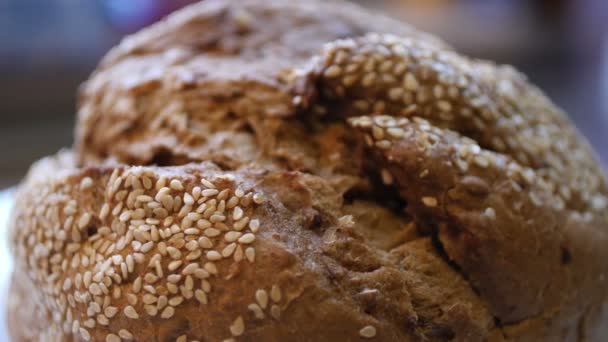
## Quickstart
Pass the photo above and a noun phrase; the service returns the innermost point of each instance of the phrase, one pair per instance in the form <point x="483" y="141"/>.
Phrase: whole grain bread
<point x="309" y="171"/>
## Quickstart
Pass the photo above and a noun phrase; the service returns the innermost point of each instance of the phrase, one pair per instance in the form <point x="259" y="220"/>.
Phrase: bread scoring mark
<point x="166" y="237"/>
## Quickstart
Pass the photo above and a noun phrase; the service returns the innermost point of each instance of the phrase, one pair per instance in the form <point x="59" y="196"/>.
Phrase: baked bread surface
<point x="309" y="171"/>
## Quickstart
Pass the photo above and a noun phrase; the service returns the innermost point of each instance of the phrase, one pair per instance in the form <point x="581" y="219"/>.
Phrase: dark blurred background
<point x="48" y="47"/>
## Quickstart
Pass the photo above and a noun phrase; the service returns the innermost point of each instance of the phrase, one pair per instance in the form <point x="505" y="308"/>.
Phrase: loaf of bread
<point x="308" y="171"/>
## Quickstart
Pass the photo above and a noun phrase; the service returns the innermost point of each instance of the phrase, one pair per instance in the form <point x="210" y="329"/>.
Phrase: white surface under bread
<point x="6" y="263"/>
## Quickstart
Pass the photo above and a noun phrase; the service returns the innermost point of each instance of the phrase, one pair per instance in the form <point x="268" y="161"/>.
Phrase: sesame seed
<point x="206" y="286"/>
<point x="387" y="177"/>
<point x="149" y="299"/>
<point x="368" y="79"/>
<point x="203" y="224"/>
<point x="332" y="71"/>
<point x="237" y="328"/>
<point x="275" y="312"/>
<point x="262" y="298"/>
<point x="188" y="199"/>
<point x="205" y="243"/>
<point x="192" y="231"/>
<point x="161" y="302"/>
<point x="174" y="278"/>
<point x="238" y="254"/>
<point x="84" y="220"/>
<point x="257" y="311"/>
<point x="535" y="199"/>
<point x="429" y="201"/>
<point x="193" y="255"/>
<point x="258" y="198"/>
<point x="174" y="252"/>
<point x="232" y="236"/>
<point x="212" y="232"/>
<point x="151" y="310"/>
<point x="247" y="238"/>
<point x="250" y="254"/>
<point x="84" y="334"/>
<point x="237" y="213"/>
<point x="95" y="289"/>
<point x="228" y="250"/>
<point x="275" y="294"/>
<point x="116" y="293"/>
<point x="123" y="333"/>
<point x="144" y="198"/>
<point x="130" y="312"/>
<point x="217" y="218"/>
<point x="175" y="301"/>
<point x="490" y="213"/>
<point x="367" y="331"/>
<point x="104" y="211"/>
<point x="86" y="183"/>
<point x="232" y="202"/>
<point x="176" y="185"/>
<point x="112" y="338"/>
<point x="167" y="312"/>
<point x="383" y="144"/>
<point x="395" y="132"/>
<point x="90" y="323"/>
<point x="213" y="255"/>
<point x="186" y="290"/>
<point x="173" y="265"/>
<point x="150" y="278"/>
<point x="210" y="267"/>
<point x="130" y="263"/>
<point x="444" y="105"/>
<point x="201" y="274"/>
<point x="131" y="298"/>
<point x="125" y="216"/>
<point x="190" y="268"/>
<point x="207" y="184"/>
<point x="209" y="192"/>
<point x="149" y="289"/>
<point x="377" y="133"/>
<point x="201" y="296"/>
<point x="254" y="225"/>
<point x="103" y="320"/>
<point x="146" y="247"/>
<point x="110" y="311"/>
<point x="67" y="284"/>
<point x="410" y="82"/>
<point x="395" y="93"/>
<point x="241" y="223"/>
<point x="135" y="182"/>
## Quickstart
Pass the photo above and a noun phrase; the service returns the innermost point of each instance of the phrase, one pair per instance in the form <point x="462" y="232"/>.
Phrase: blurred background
<point x="48" y="47"/>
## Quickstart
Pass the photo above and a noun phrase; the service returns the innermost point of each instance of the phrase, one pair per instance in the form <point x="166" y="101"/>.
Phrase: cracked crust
<point x="274" y="171"/>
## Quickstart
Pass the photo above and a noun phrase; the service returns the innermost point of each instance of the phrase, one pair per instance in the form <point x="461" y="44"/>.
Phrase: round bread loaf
<point x="309" y="171"/>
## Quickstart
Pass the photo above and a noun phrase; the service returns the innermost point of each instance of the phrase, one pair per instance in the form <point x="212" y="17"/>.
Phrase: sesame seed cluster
<point x="382" y="132"/>
<point x="494" y="106"/>
<point x="156" y="242"/>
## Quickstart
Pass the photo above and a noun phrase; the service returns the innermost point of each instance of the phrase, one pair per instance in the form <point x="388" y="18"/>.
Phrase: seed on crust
<point x="367" y="331"/>
<point x="237" y="328"/>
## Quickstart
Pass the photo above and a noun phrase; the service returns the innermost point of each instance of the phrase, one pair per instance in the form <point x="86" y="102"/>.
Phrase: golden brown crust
<point x="303" y="179"/>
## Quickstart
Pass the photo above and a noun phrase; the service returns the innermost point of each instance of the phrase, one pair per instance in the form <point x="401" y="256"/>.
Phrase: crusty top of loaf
<point x="402" y="191"/>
